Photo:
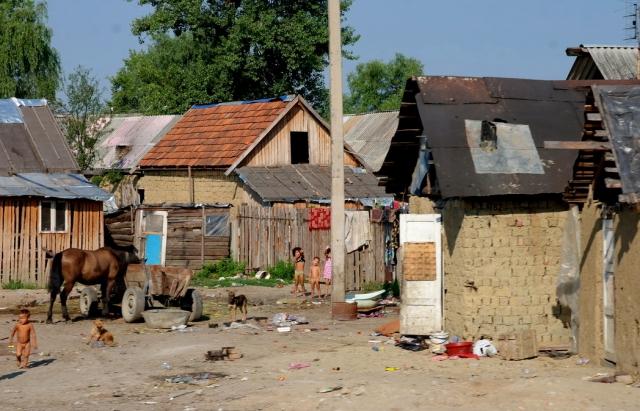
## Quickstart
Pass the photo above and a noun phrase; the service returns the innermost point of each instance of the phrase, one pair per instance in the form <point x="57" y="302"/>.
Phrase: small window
<point x="53" y="216"/>
<point x="299" y="147"/>
<point x="216" y="225"/>
<point x="141" y="195"/>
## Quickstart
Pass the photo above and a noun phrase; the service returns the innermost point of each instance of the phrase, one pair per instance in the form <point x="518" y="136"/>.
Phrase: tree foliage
<point x="378" y="86"/>
<point x="29" y="65"/>
<point x="85" y="108"/>
<point x="221" y="50"/>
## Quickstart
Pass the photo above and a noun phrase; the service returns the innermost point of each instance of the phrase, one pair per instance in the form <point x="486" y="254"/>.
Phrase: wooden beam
<point x="577" y="145"/>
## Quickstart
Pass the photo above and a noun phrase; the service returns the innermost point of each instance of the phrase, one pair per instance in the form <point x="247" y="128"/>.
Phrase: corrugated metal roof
<point x="603" y="62"/>
<point x="213" y="136"/>
<point x="304" y="182"/>
<point x="620" y="110"/>
<point x="127" y="139"/>
<point x="32" y="141"/>
<point x="56" y="185"/>
<point x="369" y="135"/>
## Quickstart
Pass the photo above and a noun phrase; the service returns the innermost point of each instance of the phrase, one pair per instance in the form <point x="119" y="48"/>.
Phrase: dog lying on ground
<point x="100" y="334"/>
<point x="238" y="302"/>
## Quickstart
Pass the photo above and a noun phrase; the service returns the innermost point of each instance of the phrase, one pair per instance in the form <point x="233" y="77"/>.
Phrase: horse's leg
<point x="107" y="296"/>
<point x="54" y="294"/>
<point x="104" y="297"/>
<point x="66" y="290"/>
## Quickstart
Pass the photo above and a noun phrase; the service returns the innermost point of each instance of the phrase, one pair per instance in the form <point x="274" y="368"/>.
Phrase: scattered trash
<point x="282" y="377"/>
<point x="236" y="326"/>
<point x="287" y="320"/>
<point x="335" y="369"/>
<point x="582" y="361"/>
<point x="166" y="366"/>
<point x="330" y="389"/>
<point x="375" y="341"/>
<point x="225" y="353"/>
<point x="411" y="344"/>
<point x="262" y="275"/>
<point x="375" y="348"/>
<point x="391" y="369"/>
<point x="298" y="365"/>
<point x="484" y="348"/>
<point x="244" y="379"/>
<point x="181" y="327"/>
<point x="601" y="377"/>
<point x="284" y="329"/>
<point x="192" y="378"/>
<point x="180" y="394"/>
<point x="439" y="338"/>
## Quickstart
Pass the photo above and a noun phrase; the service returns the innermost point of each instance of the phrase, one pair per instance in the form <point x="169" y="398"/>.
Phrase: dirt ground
<point x="68" y="374"/>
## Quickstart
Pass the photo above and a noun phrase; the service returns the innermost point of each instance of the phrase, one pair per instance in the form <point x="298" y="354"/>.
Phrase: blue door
<point x="153" y="249"/>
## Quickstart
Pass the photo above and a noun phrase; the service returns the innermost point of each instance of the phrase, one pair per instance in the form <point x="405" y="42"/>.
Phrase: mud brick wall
<point x="501" y="262"/>
<point x="208" y="187"/>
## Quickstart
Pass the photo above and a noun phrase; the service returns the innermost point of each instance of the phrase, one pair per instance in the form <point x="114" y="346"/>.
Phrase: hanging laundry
<point x="357" y="231"/>
<point x="319" y="218"/>
<point x="376" y="215"/>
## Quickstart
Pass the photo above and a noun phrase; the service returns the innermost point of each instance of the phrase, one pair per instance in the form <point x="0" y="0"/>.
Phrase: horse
<point x="104" y="266"/>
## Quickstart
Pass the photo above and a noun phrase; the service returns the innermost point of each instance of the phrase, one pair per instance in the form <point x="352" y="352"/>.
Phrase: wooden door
<point x="421" y="260"/>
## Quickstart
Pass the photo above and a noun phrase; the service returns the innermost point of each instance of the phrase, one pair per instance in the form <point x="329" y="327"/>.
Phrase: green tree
<point x="85" y="108"/>
<point x="215" y="50"/>
<point x="29" y="65"/>
<point x="377" y="86"/>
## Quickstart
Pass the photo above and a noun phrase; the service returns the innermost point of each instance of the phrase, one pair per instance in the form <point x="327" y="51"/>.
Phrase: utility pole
<point x="337" y="153"/>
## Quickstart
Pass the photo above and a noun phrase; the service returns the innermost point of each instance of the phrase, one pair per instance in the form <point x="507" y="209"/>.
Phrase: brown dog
<point x="99" y="333"/>
<point x="238" y="301"/>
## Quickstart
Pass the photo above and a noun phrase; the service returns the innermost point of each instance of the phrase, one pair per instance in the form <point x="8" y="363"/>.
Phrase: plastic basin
<point x="165" y="318"/>
<point x="464" y="347"/>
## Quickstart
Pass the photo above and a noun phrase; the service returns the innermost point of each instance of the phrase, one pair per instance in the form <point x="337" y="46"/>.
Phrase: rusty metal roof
<point x="370" y="134"/>
<point x="304" y="182"/>
<point x="620" y="110"/>
<point x="603" y="62"/>
<point x="127" y="139"/>
<point x="542" y="110"/>
<point x="30" y="140"/>
<point x="214" y="135"/>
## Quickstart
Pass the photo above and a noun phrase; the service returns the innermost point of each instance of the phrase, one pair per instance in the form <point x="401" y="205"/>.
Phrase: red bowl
<point x="464" y="347"/>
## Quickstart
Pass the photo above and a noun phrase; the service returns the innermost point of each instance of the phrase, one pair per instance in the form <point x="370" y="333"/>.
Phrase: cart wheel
<point x="193" y="303"/>
<point x="88" y="301"/>
<point x="132" y="304"/>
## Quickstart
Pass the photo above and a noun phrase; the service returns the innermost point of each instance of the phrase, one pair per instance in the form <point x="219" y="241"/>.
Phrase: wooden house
<point x="45" y="205"/>
<point x="603" y="245"/>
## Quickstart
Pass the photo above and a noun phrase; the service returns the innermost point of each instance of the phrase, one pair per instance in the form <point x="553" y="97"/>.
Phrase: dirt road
<point x="71" y="375"/>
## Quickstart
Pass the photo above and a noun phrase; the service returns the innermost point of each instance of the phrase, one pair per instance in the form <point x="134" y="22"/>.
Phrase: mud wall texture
<point x="501" y="262"/>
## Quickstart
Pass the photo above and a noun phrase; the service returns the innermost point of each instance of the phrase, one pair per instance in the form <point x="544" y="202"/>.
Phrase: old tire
<point x="88" y="301"/>
<point x="132" y="304"/>
<point x="193" y="303"/>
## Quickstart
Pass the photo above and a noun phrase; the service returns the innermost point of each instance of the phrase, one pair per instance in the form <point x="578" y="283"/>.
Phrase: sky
<point x="499" y="38"/>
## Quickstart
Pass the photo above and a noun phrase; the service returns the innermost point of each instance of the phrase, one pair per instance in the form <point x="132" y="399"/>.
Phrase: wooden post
<point x="337" y="154"/>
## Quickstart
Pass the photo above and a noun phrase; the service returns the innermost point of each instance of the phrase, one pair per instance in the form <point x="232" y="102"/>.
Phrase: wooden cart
<point x="151" y="286"/>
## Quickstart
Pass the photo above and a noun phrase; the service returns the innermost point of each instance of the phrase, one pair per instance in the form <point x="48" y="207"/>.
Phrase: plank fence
<point x="266" y="235"/>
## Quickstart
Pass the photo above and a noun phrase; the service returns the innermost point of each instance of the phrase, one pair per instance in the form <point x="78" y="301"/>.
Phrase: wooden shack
<point x="44" y="205"/>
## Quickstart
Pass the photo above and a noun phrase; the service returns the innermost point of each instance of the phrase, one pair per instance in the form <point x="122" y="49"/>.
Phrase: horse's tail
<point x="55" y="277"/>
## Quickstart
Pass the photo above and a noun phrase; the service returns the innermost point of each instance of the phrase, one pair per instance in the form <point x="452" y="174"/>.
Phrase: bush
<point x="283" y="270"/>
<point x="372" y="286"/>
<point x="18" y="285"/>
<point x="223" y="268"/>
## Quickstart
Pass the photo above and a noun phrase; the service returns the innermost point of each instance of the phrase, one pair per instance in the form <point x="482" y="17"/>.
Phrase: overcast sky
<point x="501" y="38"/>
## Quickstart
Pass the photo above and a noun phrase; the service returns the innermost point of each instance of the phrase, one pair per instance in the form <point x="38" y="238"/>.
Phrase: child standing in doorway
<point x="327" y="272"/>
<point x="298" y="266"/>
<point x="26" y="338"/>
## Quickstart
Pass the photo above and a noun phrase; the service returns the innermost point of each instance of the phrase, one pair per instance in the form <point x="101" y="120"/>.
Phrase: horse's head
<point x="131" y="255"/>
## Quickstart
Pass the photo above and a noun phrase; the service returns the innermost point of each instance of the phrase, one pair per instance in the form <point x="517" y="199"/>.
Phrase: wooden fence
<point x="266" y="235"/>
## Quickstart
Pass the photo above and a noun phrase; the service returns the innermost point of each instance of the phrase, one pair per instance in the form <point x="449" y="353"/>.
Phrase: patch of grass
<point x="283" y="270"/>
<point x="223" y="268"/>
<point x="235" y="282"/>
<point x="372" y="286"/>
<point x="19" y="285"/>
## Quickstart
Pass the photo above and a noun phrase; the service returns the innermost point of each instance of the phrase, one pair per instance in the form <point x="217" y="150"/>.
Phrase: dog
<point x="100" y="334"/>
<point x="238" y="301"/>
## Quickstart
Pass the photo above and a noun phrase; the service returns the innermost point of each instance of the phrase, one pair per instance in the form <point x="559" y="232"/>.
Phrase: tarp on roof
<point x="56" y="185"/>
<point x="34" y="143"/>
<point x="305" y="182"/>
<point x="369" y="135"/>
<point x="127" y="139"/>
<point x="620" y="110"/>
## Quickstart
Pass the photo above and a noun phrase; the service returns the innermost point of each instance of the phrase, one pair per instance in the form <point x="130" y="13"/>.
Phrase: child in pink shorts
<point x="326" y="273"/>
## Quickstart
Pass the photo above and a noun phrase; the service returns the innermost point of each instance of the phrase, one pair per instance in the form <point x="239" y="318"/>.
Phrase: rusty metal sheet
<point x="454" y="90"/>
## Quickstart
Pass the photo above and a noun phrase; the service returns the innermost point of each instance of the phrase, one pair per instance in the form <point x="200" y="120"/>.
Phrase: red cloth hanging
<point x="319" y="218"/>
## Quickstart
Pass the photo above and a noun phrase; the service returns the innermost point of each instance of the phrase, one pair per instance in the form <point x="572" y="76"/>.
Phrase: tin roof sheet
<point x="55" y="185"/>
<point x="369" y="135"/>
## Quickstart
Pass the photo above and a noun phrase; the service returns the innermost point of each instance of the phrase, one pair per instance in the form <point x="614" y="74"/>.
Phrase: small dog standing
<point x="26" y="338"/>
<point x="238" y="301"/>
<point x="100" y="334"/>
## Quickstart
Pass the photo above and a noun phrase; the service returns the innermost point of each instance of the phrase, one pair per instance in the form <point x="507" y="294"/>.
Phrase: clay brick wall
<point x="173" y="187"/>
<point x="501" y="261"/>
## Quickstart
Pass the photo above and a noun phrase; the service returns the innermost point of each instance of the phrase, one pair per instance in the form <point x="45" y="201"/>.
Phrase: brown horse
<point x="104" y="266"/>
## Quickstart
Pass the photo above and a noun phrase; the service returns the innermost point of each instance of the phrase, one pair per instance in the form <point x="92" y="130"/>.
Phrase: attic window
<point x="299" y="147"/>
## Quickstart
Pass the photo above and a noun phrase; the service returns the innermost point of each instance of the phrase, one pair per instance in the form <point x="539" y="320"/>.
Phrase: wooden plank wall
<point x="185" y="239"/>
<point x="266" y="235"/>
<point x="120" y="229"/>
<point x="21" y="244"/>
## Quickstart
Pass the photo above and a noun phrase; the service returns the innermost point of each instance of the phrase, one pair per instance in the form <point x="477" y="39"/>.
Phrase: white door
<point x="421" y="259"/>
<point x="608" y="292"/>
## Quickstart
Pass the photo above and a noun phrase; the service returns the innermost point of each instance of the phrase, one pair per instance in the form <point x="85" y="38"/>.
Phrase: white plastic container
<point x="439" y="338"/>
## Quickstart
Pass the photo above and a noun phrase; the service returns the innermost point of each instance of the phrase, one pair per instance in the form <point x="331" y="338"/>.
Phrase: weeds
<point x="19" y="285"/>
<point x="283" y="270"/>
